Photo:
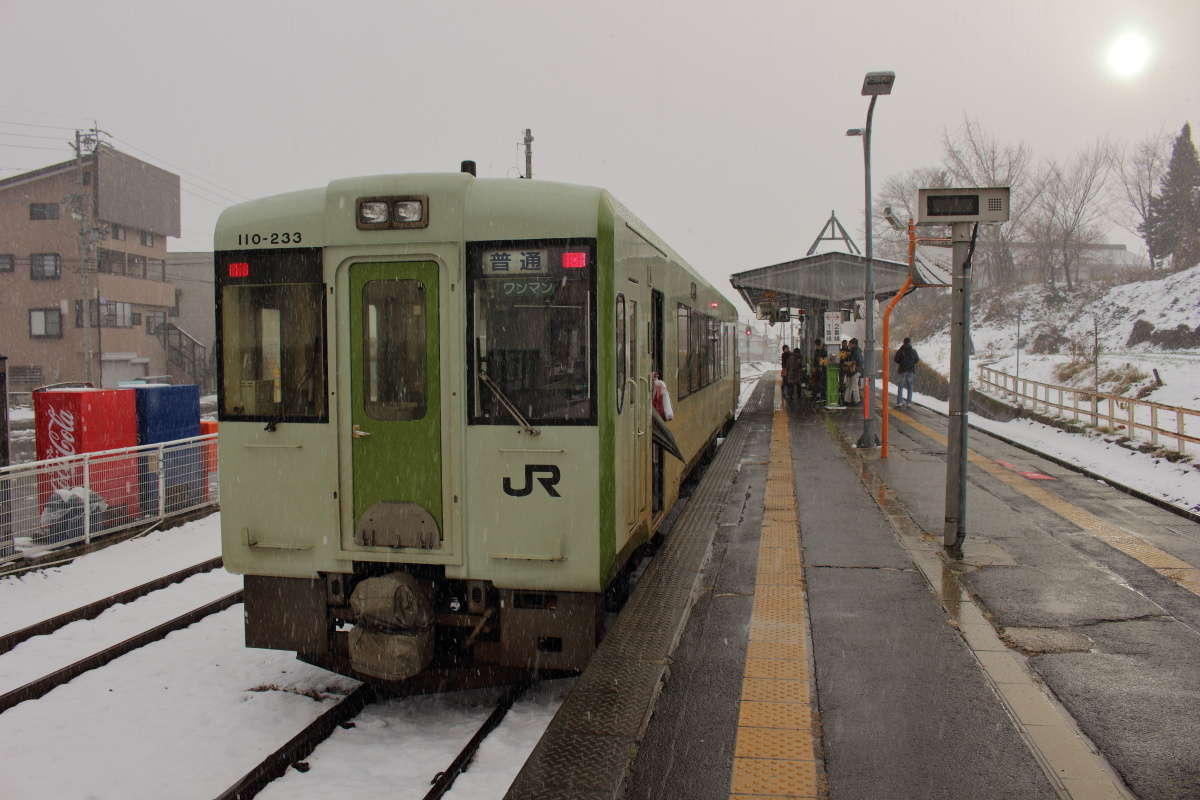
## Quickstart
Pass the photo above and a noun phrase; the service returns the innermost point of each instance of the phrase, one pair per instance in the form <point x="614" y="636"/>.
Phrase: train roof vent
<point x="468" y="167"/>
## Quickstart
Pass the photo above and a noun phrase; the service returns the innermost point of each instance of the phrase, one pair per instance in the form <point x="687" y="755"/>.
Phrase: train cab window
<point x="271" y="324"/>
<point x="394" y="349"/>
<point x="532" y="332"/>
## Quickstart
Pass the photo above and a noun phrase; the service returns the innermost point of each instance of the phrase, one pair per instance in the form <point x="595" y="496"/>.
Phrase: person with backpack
<point x="907" y="359"/>
<point x="853" y="369"/>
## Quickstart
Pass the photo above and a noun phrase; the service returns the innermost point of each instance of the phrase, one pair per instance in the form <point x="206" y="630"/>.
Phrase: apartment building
<point x="83" y="276"/>
<point x="192" y="323"/>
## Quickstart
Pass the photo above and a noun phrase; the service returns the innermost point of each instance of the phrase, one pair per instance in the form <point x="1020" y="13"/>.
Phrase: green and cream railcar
<point x="435" y="402"/>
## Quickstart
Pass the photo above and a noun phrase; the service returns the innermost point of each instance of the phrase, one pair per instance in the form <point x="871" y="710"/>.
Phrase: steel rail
<point x="299" y="746"/>
<point x="37" y="688"/>
<point x="92" y="610"/>
<point x="444" y="780"/>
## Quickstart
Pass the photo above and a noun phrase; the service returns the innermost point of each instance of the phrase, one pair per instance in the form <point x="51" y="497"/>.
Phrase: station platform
<point x="802" y="632"/>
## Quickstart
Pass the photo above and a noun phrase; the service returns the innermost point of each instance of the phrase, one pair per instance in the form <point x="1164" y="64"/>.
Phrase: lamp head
<point x="878" y="83"/>
<point x="854" y="132"/>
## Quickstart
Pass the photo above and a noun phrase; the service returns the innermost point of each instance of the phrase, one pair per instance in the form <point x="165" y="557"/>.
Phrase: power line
<point x="31" y="146"/>
<point x="36" y="125"/>
<point x="31" y="136"/>
<point x="216" y="185"/>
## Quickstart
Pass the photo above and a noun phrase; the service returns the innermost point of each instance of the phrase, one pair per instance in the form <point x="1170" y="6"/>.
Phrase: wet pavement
<point x="1060" y="657"/>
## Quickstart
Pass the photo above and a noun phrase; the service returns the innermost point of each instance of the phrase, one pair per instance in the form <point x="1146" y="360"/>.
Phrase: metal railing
<point x="62" y="501"/>
<point x="1139" y="419"/>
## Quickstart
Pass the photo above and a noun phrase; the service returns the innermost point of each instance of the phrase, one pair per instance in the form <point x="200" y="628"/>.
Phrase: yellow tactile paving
<point x="774" y="777"/>
<point x="774" y="743"/>
<point x="1164" y="563"/>
<point x="777" y="745"/>
<point x="776" y="690"/>
<point x="777" y="667"/>
<point x="786" y="651"/>
<point x="757" y="714"/>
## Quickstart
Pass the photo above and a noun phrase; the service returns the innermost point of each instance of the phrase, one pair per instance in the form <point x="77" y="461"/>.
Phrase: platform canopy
<point x="829" y="279"/>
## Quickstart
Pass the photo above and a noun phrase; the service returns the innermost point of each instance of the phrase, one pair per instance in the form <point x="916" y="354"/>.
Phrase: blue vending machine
<point x="164" y="414"/>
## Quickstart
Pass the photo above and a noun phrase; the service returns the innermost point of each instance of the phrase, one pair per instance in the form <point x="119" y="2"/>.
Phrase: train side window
<point x="634" y="371"/>
<point x="621" y="352"/>
<point x="683" y="381"/>
<point x="394" y="352"/>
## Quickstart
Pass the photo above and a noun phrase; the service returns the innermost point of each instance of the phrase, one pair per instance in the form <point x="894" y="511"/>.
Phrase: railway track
<point x="41" y="686"/>
<point x="306" y="741"/>
<point x="92" y="610"/>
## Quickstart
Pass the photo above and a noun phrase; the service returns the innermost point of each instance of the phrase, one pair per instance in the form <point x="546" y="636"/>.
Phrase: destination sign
<point x="515" y="262"/>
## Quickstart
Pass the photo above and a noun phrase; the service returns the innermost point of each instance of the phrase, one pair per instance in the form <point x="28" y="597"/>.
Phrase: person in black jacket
<point x="907" y="359"/>
<point x="785" y="368"/>
<point x="854" y="377"/>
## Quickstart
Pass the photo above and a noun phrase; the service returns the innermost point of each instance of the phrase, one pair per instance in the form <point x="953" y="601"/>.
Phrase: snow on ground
<point x="39" y="594"/>
<point x="187" y="716"/>
<point x="751" y="372"/>
<point x="1176" y="483"/>
<point x="1108" y="315"/>
<point x="395" y="748"/>
<point x="182" y="718"/>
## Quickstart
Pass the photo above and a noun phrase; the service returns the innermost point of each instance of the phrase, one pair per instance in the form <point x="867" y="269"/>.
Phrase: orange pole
<point x="913" y="240"/>
<point x="887" y="339"/>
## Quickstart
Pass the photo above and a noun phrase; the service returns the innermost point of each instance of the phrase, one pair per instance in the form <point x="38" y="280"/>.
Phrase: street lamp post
<point x="874" y="84"/>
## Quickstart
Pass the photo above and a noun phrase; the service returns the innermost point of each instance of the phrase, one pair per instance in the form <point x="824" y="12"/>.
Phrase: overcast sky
<point x="722" y="125"/>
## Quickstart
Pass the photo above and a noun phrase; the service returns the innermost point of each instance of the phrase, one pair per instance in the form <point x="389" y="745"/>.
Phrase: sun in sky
<point x="1128" y="54"/>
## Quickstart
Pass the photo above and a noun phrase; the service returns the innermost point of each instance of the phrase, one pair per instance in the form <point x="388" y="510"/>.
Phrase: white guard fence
<point x="1155" y="423"/>
<point x="62" y="501"/>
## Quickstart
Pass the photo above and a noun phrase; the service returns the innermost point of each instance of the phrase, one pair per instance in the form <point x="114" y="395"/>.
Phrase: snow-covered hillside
<point x="1066" y="327"/>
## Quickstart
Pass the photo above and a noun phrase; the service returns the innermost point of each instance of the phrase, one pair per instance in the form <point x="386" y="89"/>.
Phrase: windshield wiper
<point x="508" y="404"/>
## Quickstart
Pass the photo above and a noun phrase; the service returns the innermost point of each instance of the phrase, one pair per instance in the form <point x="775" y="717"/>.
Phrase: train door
<point x="640" y="408"/>
<point x="633" y="410"/>
<point x="395" y="405"/>
<point x="656" y="365"/>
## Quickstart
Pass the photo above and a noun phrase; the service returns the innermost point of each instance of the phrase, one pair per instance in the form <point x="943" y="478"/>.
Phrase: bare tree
<point x="899" y="193"/>
<point x="974" y="158"/>
<point x="1140" y="168"/>
<point x="1072" y="209"/>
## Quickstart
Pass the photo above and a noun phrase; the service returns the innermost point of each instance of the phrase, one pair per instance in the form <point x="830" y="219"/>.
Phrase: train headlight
<point x="408" y="211"/>
<point x="395" y="211"/>
<point x="373" y="212"/>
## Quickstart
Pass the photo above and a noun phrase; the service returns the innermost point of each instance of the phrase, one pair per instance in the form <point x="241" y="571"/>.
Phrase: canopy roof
<point x="833" y="278"/>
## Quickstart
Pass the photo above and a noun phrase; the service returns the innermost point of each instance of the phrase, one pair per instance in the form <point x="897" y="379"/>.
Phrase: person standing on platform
<point x="785" y="364"/>
<point x="843" y="366"/>
<point x="907" y="359"/>
<point x="853" y="365"/>
<point x="820" y="359"/>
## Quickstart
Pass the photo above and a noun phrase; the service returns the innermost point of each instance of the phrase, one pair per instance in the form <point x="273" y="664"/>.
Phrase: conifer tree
<point x="1172" y="227"/>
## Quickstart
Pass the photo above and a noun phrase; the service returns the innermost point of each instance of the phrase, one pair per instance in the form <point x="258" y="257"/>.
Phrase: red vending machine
<point x="70" y="421"/>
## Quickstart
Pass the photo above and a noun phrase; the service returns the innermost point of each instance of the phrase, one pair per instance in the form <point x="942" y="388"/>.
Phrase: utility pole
<point x="84" y="209"/>
<point x="528" y="154"/>
<point x="955" y="530"/>
<point x="80" y="209"/>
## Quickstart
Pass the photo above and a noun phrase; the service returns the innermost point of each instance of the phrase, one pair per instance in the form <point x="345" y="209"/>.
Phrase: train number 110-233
<point x="268" y="238"/>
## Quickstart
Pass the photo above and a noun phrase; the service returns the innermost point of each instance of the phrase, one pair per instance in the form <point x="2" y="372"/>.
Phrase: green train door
<point x="396" y="405"/>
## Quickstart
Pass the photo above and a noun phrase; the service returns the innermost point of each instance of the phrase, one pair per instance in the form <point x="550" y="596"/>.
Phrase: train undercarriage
<point x="417" y="632"/>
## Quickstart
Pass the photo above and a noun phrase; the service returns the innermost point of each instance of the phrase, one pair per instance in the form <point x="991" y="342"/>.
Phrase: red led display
<point x="574" y="259"/>
<point x="239" y="269"/>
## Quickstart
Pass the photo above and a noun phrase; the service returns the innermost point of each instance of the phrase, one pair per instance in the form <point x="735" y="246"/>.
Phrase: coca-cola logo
<point x="60" y="437"/>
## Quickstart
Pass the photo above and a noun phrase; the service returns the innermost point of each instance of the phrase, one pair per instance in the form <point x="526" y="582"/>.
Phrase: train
<point x="436" y="429"/>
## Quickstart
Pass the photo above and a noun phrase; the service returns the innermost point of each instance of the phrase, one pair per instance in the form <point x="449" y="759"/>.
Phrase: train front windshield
<point x="532" y="331"/>
<point x="271" y="323"/>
